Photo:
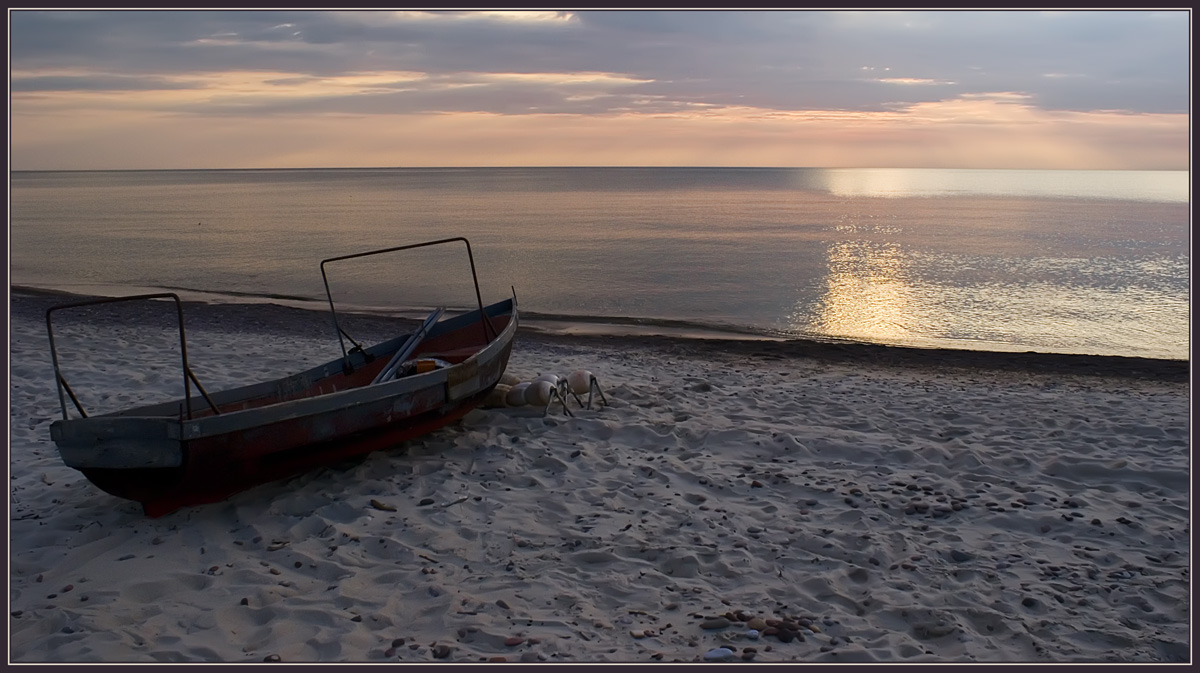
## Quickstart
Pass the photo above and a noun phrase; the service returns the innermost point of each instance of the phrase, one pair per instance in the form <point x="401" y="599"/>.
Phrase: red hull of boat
<point x="162" y="491"/>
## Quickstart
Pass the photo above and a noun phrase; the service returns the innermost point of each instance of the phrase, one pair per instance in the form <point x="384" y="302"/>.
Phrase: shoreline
<point x="267" y="317"/>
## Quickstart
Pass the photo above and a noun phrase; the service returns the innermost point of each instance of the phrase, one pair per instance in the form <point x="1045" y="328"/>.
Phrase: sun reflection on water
<point x="881" y="292"/>
<point x="1162" y="186"/>
<point x="867" y="296"/>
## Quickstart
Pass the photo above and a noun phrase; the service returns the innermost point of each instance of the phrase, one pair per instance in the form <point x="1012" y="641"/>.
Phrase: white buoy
<point x="516" y="395"/>
<point x="538" y="393"/>
<point x="579" y="381"/>
<point x="509" y="379"/>
<point x="552" y="378"/>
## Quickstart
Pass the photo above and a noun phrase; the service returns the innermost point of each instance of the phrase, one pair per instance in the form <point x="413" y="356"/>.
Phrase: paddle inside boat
<point x="205" y="447"/>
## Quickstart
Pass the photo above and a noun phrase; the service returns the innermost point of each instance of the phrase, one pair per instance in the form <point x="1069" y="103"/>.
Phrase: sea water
<point x="1054" y="261"/>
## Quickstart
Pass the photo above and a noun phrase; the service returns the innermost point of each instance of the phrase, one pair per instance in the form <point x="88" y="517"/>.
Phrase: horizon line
<point x="562" y="167"/>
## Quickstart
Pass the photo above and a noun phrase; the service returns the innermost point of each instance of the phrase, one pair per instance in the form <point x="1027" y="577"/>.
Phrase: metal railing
<point x="484" y="318"/>
<point x="189" y="377"/>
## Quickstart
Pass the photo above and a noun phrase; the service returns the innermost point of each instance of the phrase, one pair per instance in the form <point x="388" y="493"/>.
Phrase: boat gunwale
<point x="285" y="410"/>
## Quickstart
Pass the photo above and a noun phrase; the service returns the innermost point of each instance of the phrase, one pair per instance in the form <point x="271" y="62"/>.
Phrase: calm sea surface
<point x="1052" y="261"/>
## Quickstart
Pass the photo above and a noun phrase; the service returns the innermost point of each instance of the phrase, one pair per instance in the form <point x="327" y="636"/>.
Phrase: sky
<point x="178" y="89"/>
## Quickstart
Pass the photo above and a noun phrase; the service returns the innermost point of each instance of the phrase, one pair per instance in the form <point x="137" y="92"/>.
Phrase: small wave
<point x="243" y="295"/>
<point x="593" y="324"/>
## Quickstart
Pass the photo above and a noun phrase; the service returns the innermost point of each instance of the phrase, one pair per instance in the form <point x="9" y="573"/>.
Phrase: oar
<point x="393" y="365"/>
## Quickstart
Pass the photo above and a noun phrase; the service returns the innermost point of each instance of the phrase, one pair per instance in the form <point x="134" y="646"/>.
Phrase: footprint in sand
<point x="681" y="566"/>
<point x="151" y="592"/>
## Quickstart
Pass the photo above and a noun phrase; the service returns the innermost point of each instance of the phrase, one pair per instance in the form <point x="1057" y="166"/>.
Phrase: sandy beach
<point x="734" y="501"/>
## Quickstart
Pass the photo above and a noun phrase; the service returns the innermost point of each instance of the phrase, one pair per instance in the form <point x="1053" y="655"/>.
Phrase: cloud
<point x="1120" y="60"/>
<point x="254" y="65"/>
<point x="981" y="132"/>
<point x="83" y="83"/>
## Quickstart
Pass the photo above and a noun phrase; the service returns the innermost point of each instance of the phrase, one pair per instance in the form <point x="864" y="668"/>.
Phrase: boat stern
<point x="118" y="442"/>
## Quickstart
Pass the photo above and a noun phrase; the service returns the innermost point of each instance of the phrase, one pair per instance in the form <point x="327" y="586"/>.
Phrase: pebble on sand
<point x="718" y="654"/>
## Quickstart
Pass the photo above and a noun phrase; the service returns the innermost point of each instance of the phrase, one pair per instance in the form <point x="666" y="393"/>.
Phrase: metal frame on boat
<point x="184" y="452"/>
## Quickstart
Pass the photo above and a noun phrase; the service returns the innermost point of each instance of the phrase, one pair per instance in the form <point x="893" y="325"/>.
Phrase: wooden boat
<point x="202" y="449"/>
